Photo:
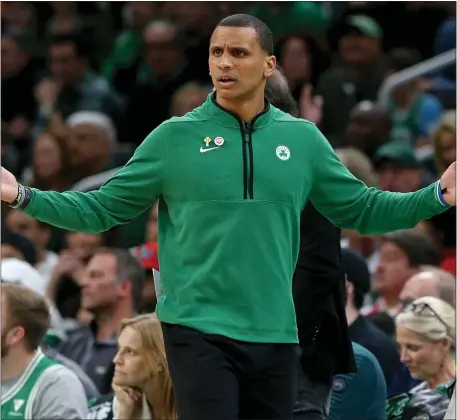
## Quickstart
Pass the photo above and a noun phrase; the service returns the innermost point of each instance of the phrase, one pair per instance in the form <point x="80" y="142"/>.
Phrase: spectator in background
<point x="430" y="281"/>
<point x="39" y="234"/>
<point x="425" y="332"/>
<point x="355" y="76"/>
<point x="361" y="395"/>
<point x="413" y="112"/>
<point x="121" y="66"/>
<point x="50" y="168"/>
<point x="188" y="97"/>
<point x="33" y="386"/>
<point x="92" y="143"/>
<point x="19" y="75"/>
<point x="111" y="286"/>
<point x="15" y="245"/>
<point x="368" y="128"/>
<point x="72" y="86"/>
<point x="358" y="164"/>
<point x="398" y="168"/>
<point x="167" y="68"/>
<point x="443" y="140"/>
<point x="401" y="254"/>
<point x="361" y="330"/>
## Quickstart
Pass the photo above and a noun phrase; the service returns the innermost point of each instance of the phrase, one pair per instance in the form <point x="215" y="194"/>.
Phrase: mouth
<point x="226" y="81"/>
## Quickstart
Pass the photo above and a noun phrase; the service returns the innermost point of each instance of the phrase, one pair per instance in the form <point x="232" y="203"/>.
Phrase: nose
<point x="404" y="356"/>
<point x="117" y="359"/>
<point x="225" y="62"/>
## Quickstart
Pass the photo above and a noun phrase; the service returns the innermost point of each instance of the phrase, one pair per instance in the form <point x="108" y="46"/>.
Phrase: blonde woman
<point x="142" y="385"/>
<point x="425" y="332"/>
<point x="444" y="141"/>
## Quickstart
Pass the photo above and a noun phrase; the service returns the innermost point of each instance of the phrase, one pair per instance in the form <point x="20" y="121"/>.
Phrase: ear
<point x="125" y="289"/>
<point x="349" y="288"/>
<point x="447" y="344"/>
<point x="15" y="335"/>
<point x="270" y="65"/>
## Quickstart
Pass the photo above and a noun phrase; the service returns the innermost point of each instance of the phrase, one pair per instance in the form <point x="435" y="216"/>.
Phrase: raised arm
<point x="350" y="204"/>
<point x="131" y="191"/>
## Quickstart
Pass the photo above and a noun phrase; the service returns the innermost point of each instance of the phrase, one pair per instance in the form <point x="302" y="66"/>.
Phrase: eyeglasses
<point x="423" y="308"/>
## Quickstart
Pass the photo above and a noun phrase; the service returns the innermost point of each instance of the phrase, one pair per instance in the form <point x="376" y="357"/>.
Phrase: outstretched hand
<point x="448" y="181"/>
<point x="9" y="186"/>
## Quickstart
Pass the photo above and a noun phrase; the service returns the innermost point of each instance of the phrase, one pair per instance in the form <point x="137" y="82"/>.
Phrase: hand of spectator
<point x="46" y="92"/>
<point x="9" y="186"/>
<point x="68" y="265"/>
<point x="19" y="127"/>
<point x="310" y="106"/>
<point x="447" y="182"/>
<point x="129" y="400"/>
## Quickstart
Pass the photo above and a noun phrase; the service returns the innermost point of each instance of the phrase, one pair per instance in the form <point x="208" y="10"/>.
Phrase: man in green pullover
<point x="232" y="177"/>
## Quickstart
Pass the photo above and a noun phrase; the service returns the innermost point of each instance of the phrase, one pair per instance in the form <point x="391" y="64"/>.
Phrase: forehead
<point x="234" y="37"/>
<point x="15" y="216"/>
<point x="404" y="335"/>
<point x="64" y="48"/>
<point x="107" y="261"/>
<point x="130" y="338"/>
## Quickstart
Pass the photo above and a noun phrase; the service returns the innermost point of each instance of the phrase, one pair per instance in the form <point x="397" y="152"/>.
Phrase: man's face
<point x="86" y="143"/>
<point x="83" y="245"/>
<point x="12" y="58"/>
<point x="161" y="50"/>
<point x="131" y="367"/>
<point x="235" y="54"/>
<point x="420" y="285"/>
<point x="19" y="222"/>
<point x="395" y="178"/>
<point x="9" y="251"/>
<point x="357" y="49"/>
<point x="100" y="286"/>
<point x="393" y="269"/>
<point x="65" y="65"/>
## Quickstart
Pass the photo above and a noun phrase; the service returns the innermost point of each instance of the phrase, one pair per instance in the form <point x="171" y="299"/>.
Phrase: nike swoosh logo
<point x="202" y="150"/>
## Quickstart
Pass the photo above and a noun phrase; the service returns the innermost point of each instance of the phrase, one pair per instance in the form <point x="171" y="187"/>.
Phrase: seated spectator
<point x="15" y="245"/>
<point x="72" y="86"/>
<point x="142" y="384"/>
<point x="355" y="76"/>
<point x="361" y="330"/>
<point x="413" y="112"/>
<point x="368" y="128"/>
<point x="398" y="168"/>
<point x="111" y="287"/>
<point x="443" y="139"/>
<point x="39" y="234"/>
<point x="430" y="281"/>
<point x="187" y="98"/>
<point x="401" y="255"/>
<point x="361" y="395"/>
<point x="92" y="143"/>
<point x="50" y="167"/>
<point x="33" y="385"/>
<point x="425" y="332"/>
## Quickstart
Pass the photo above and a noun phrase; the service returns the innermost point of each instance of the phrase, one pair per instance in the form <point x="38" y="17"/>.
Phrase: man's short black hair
<point x="80" y="44"/>
<point x="277" y="92"/>
<point x="247" y="21"/>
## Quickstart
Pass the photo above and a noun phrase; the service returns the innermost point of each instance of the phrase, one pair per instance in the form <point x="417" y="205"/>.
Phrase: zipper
<point x="246" y="130"/>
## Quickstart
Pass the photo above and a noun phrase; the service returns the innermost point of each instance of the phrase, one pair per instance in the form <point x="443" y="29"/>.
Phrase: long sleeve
<point x="125" y="196"/>
<point x="350" y="204"/>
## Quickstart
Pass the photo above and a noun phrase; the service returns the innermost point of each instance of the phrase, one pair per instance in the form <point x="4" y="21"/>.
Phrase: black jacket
<point x="320" y="296"/>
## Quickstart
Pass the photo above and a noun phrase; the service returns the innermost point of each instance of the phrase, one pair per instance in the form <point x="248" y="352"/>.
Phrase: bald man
<point x="430" y="281"/>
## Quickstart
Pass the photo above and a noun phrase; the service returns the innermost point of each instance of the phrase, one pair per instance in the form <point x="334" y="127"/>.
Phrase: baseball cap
<point x="356" y="270"/>
<point x="147" y="255"/>
<point x="399" y="152"/>
<point x="364" y="25"/>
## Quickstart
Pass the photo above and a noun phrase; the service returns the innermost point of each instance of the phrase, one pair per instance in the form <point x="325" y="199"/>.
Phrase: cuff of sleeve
<point x="439" y="195"/>
<point x="24" y="198"/>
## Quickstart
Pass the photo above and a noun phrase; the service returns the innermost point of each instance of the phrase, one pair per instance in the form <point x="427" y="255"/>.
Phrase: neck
<point x="351" y="314"/>
<point x="446" y="373"/>
<point x="15" y="363"/>
<point x="391" y="300"/>
<point x="156" y="398"/>
<point x="108" y="320"/>
<point x="245" y="109"/>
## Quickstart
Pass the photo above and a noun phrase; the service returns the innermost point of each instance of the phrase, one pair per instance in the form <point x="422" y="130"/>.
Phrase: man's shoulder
<point x="363" y="355"/>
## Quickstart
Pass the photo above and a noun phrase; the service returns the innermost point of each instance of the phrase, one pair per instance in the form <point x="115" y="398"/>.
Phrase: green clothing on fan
<point x="231" y="196"/>
<point x="293" y="17"/>
<point x="17" y="402"/>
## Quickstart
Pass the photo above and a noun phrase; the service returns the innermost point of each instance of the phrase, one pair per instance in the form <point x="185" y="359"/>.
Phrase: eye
<point x="217" y="52"/>
<point x="240" y="53"/>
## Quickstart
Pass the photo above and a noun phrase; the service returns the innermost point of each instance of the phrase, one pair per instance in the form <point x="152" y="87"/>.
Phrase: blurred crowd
<point x="83" y="83"/>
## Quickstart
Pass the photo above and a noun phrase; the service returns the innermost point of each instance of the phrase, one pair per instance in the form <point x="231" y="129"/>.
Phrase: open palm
<point x="9" y="186"/>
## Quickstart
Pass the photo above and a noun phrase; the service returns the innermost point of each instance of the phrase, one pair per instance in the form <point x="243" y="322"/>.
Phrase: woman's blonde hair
<point x="150" y="331"/>
<point x="432" y="318"/>
<point x="446" y="124"/>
